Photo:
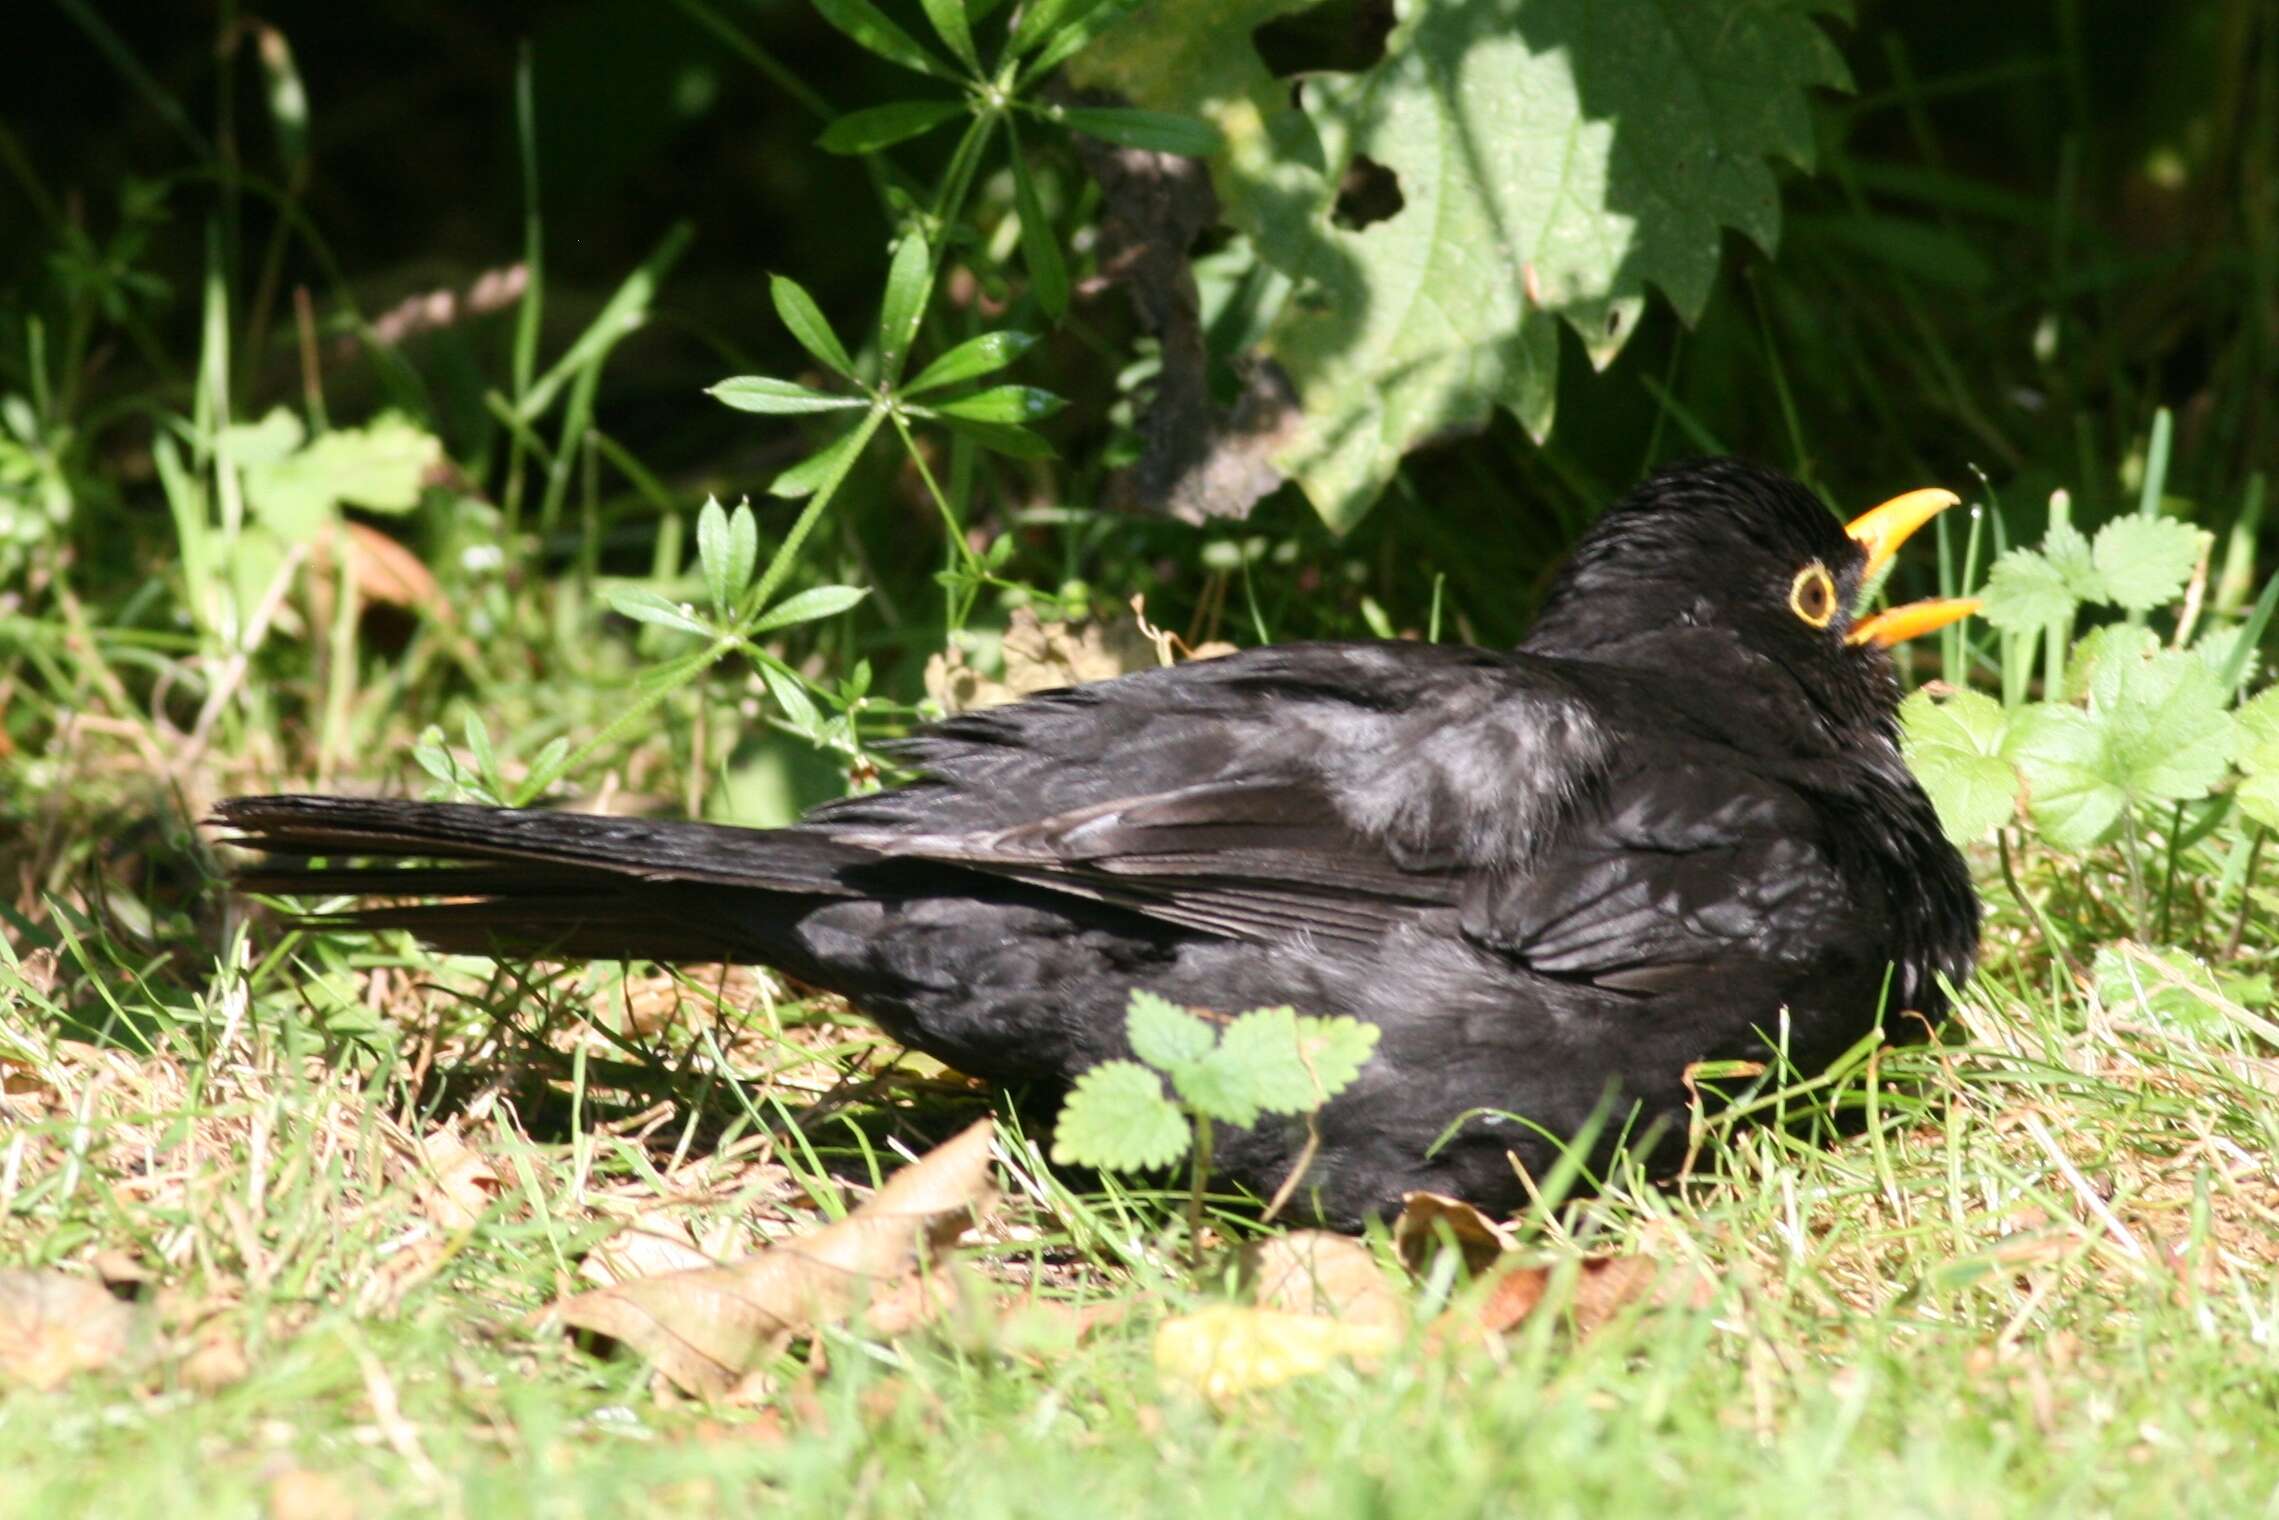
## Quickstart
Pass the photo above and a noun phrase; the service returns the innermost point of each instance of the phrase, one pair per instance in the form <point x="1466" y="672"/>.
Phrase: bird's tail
<point x="488" y="880"/>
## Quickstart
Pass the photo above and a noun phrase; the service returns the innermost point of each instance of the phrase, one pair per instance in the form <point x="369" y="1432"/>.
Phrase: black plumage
<point x="1672" y="824"/>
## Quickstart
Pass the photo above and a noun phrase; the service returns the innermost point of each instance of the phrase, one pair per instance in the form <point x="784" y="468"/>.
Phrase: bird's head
<point x="1739" y="574"/>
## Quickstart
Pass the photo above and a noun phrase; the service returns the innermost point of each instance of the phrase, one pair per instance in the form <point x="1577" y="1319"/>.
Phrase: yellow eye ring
<point x="1812" y="595"/>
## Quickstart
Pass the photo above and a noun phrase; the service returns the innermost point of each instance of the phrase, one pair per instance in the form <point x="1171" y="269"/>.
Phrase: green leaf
<point x="805" y="319"/>
<point x="971" y="360"/>
<point x="1070" y="26"/>
<point x="1117" y="1117"/>
<point x="861" y="20"/>
<point x="807" y="606"/>
<point x="1040" y="249"/>
<point x="1552" y="162"/>
<point x="1017" y="442"/>
<point x="2030" y="589"/>
<point x="2145" y="561"/>
<point x="1002" y="404"/>
<point x="712" y="555"/>
<point x="806" y="477"/>
<point x="780" y="398"/>
<point x="645" y="606"/>
<point x="2258" y="749"/>
<point x="2116" y="641"/>
<point x="1165" y="1035"/>
<point x="379" y="468"/>
<point x="956" y="32"/>
<point x="2171" y="989"/>
<point x="263" y="442"/>
<point x="877" y="127"/>
<point x="1218" y="1087"/>
<point x="1156" y="131"/>
<point x="1294" y="1065"/>
<point x="1955" y="750"/>
<point x="798" y="708"/>
<point x="2156" y="730"/>
<point x="743" y="549"/>
<point x="909" y="279"/>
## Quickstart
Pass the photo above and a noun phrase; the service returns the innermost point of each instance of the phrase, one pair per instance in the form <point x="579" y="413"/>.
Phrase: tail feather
<point x="783" y="860"/>
<point x="528" y="882"/>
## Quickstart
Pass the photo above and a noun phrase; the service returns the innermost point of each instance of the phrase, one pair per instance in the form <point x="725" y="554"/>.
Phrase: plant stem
<point x="2246" y="895"/>
<point x="1198" y="1173"/>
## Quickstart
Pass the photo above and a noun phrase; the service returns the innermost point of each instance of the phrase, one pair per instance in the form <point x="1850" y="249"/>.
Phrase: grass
<point x="2031" y="1271"/>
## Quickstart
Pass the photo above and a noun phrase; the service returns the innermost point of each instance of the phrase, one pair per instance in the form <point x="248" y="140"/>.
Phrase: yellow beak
<point x="1880" y="531"/>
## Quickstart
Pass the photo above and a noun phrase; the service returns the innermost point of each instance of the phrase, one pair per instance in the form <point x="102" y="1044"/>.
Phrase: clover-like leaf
<point x="1118" y="1117"/>
<point x="1165" y="1035"/>
<point x="1955" y="749"/>
<point x="2145" y="561"/>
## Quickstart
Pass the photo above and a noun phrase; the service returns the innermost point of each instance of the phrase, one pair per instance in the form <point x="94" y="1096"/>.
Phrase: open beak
<point x="1880" y="531"/>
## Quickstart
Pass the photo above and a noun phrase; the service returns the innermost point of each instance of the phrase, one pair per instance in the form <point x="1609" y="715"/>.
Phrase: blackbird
<point x="1672" y="826"/>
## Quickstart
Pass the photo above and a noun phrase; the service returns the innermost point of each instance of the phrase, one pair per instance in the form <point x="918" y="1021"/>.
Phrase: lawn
<point x="362" y="444"/>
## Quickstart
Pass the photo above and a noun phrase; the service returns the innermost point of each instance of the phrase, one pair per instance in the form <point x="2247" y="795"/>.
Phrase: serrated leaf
<point x="2025" y="592"/>
<point x="970" y="360"/>
<point x="2117" y="641"/>
<point x="2145" y="561"/>
<point x="956" y="32"/>
<point x="1005" y="404"/>
<point x="806" y="477"/>
<point x="1117" y="1117"/>
<point x="1156" y="131"/>
<point x="778" y="398"/>
<point x="2257" y="744"/>
<point x="909" y="279"/>
<point x="1040" y="249"/>
<point x="2156" y="730"/>
<point x="1296" y="1064"/>
<point x="379" y="467"/>
<point x="1551" y="163"/>
<point x="1955" y="749"/>
<point x="806" y="321"/>
<point x="867" y="131"/>
<point x="807" y="606"/>
<point x="645" y="606"/>
<point x="1165" y="1035"/>
<point x="256" y="443"/>
<point x="862" y="21"/>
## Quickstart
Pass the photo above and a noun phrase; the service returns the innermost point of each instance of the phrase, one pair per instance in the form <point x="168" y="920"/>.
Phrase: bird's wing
<point x="1685" y="872"/>
<point x="1327" y="789"/>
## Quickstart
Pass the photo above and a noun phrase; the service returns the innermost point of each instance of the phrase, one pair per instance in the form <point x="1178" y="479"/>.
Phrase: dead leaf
<point x="122" y="1269"/>
<point x="457" y="1183"/>
<point x="649" y="1245"/>
<point x="1427" y="1219"/>
<point x="1603" y="1287"/>
<point x="1040" y="656"/>
<point x="705" y="1328"/>
<point x="53" y="1326"/>
<point x="1316" y="1272"/>
<point x="216" y="1360"/>
<point x="1230" y="1349"/>
<point x="386" y="571"/>
<point x="299" y="1494"/>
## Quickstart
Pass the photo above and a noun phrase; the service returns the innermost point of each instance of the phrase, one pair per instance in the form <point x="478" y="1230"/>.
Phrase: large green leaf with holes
<point x="1554" y="159"/>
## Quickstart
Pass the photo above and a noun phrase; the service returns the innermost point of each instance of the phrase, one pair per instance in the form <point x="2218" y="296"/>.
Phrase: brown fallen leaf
<point x="1428" y="1219"/>
<point x="456" y="1183"/>
<point x="1603" y="1287"/>
<point x="649" y="1245"/>
<point x="53" y="1326"/>
<point x="386" y="571"/>
<point x="706" y="1327"/>
<point x="300" y="1494"/>
<point x="1316" y="1272"/>
<point x="215" y="1360"/>
<point x="1231" y="1349"/>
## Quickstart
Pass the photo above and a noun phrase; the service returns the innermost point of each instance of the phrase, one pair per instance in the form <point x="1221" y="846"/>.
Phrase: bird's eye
<point x="1812" y="595"/>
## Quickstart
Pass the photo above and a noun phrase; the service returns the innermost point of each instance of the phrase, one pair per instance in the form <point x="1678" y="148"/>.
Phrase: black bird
<point x="1672" y="826"/>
